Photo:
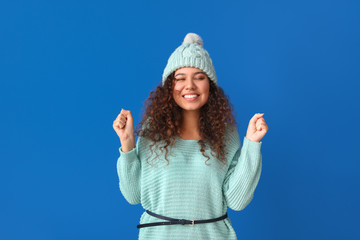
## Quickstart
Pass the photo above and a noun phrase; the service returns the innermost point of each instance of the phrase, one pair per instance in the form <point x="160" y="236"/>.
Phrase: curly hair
<point x="163" y="117"/>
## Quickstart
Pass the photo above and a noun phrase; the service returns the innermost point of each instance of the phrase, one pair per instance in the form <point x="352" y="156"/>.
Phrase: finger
<point x="123" y="121"/>
<point x="256" y="117"/>
<point x="261" y="121"/>
<point x="116" y="127"/>
<point x="117" y="120"/>
<point x="264" y="127"/>
<point x="122" y="113"/>
<point x="128" y="115"/>
<point x="123" y="118"/>
<point x="258" y="122"/>
<point x="117" y="117"/>
<point x="261" y="124"/>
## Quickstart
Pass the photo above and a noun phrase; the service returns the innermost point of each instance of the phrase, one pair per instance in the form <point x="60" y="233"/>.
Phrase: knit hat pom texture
<point x="193" y="38"/>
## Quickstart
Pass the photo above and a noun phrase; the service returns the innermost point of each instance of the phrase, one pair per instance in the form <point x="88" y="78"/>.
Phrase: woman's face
<point x="191" y="88"/>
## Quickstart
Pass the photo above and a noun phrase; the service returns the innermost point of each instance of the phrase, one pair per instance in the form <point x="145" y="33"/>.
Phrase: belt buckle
<point x="192" y="223"/>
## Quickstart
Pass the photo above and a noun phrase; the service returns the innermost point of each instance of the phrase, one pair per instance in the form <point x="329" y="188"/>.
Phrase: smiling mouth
<point x="191" y="97"/>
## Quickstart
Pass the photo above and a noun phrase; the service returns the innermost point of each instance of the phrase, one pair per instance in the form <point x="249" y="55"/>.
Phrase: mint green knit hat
<point x="190" y="53"/>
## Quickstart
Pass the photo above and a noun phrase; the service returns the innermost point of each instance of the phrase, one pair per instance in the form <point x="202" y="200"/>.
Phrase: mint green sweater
<point x="189" y="189"/>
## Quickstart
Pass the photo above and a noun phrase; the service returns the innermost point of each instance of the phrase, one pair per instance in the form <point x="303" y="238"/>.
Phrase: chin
<point x="191" y="109"/>
<point x="194" y="108"/>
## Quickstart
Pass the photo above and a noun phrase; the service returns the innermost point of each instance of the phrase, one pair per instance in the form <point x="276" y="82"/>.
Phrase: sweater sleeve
<point x="243" y="173"/>
<point x="129" y="172"/>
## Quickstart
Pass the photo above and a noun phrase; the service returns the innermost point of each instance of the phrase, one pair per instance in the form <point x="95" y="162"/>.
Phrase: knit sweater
<point x="187" y="188"/>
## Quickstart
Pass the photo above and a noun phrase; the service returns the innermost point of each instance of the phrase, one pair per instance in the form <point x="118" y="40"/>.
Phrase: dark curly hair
<point x="163" y="117"/>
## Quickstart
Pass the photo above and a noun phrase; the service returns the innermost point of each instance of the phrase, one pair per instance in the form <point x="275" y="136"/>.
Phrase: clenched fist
<point x="124" y="128"/>
<point x="257" y="128"/>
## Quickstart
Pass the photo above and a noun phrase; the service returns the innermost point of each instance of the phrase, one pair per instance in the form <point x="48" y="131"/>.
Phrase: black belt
<point x="172" y="221"/>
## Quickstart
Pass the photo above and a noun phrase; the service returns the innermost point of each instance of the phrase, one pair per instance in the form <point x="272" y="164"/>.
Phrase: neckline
<point x="187" y="140"/>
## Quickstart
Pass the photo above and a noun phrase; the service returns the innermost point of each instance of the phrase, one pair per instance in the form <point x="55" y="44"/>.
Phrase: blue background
<point x="68" y="67"/>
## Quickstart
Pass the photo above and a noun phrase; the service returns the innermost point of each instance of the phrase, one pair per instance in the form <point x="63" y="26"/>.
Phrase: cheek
<point x="206" y="90"/>
<point x="207" y="97"/>
<point x="176" y="94"/>
<point x="177" y="88"/>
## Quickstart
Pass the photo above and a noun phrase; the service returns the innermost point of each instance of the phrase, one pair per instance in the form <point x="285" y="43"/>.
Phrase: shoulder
<point x="142" y="141"/>
<point x="145" y="144"/>
<point x="232" y="138"/>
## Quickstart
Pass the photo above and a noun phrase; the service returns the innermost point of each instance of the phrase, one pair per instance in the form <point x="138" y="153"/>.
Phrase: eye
<point x="179" y="79"/>
<point x="200" y="78"/>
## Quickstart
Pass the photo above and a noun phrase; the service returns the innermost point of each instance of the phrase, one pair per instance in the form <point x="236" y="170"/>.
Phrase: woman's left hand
<point x="257" y="128"/>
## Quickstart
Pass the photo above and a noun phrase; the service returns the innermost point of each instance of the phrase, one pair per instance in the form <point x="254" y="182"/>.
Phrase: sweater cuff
<point x="128" y="155"/>
<point x="251" y="145"/>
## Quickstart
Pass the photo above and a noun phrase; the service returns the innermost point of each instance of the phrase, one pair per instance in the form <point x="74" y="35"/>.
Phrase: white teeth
<point x="190" y="96"/>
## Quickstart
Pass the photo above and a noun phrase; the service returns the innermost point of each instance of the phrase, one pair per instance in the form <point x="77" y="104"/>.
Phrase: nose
<point x="190" y="84"/>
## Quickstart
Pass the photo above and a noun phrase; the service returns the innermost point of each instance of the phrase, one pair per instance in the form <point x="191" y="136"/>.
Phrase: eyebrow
<point x="185" y="74"/>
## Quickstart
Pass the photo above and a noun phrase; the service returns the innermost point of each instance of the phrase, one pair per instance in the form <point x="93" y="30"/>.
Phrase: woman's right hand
<point x="124" y="128"/>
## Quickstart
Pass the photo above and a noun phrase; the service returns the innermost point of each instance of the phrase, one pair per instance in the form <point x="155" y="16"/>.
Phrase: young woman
<point x="187" y="166"/>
